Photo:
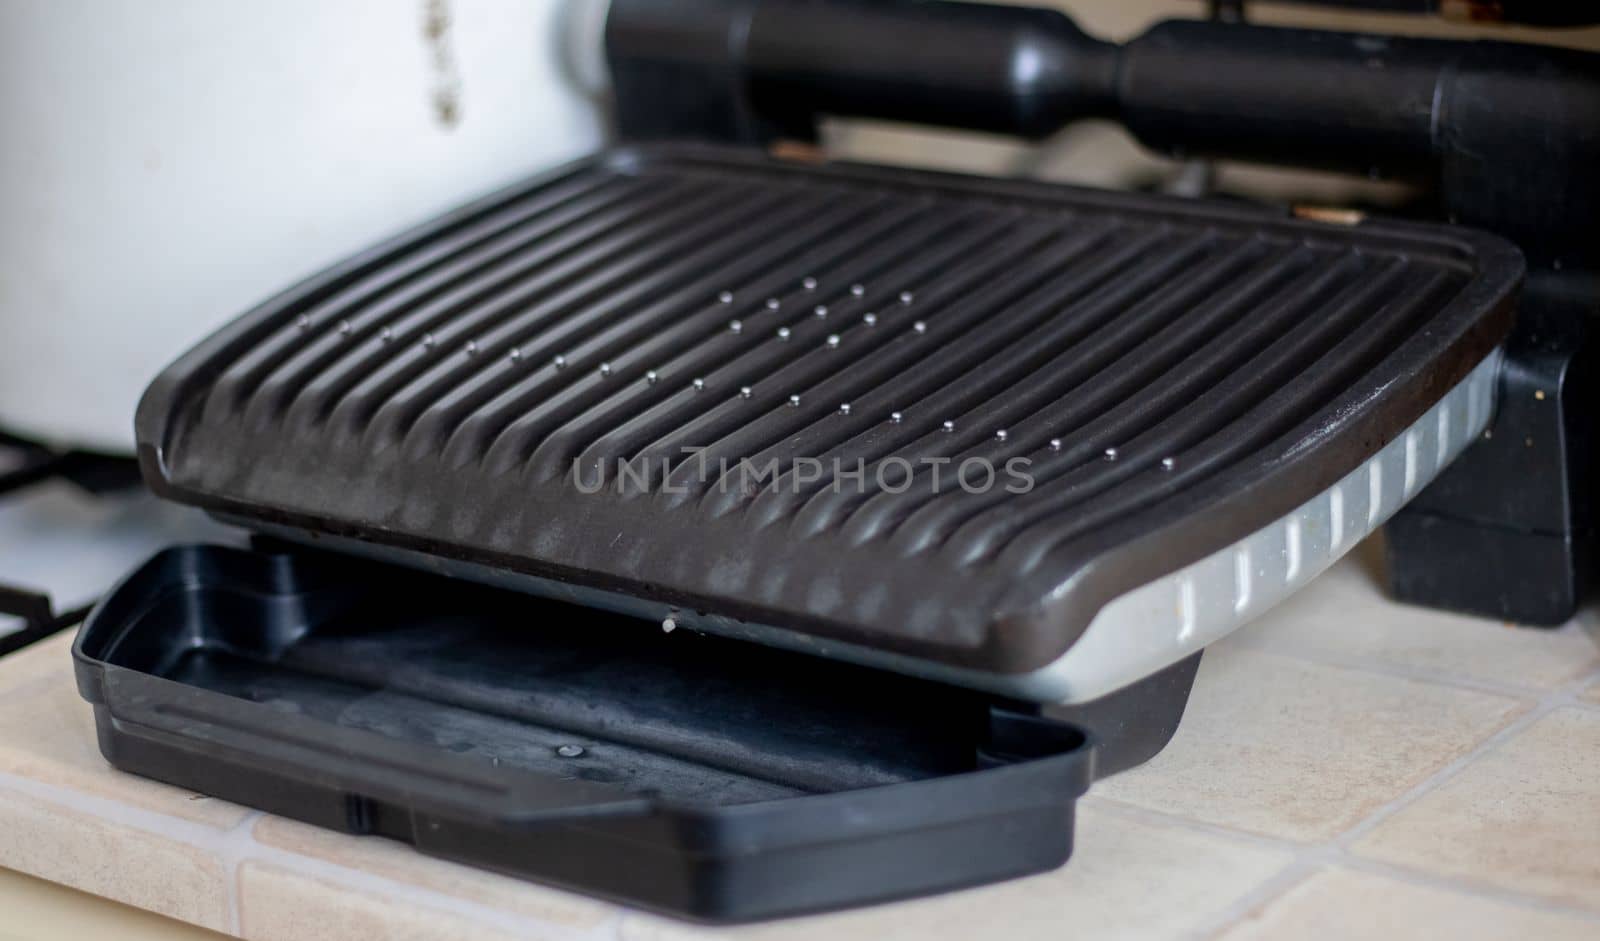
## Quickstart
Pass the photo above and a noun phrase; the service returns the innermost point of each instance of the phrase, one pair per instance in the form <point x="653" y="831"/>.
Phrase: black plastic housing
<point x="1508" y="133"/>
<point x="686" y="773"/>
<point x="1508" y="531"/>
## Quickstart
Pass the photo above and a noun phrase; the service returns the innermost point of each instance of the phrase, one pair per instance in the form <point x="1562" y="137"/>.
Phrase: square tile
<point x="113" y="860"/>
<point x="276" y="904"/>
<point x="47" y="735"/>
<point x="1343" y="905"/>
<point x="1344" y="616"/>
<point x="1303" y="751"/>
<point x="26" y="668"/>
<point x="393" y="860"/>
<point x="1127" y="879"/>
<point x="1524" y="816"/>
<point x="36" y="910"/>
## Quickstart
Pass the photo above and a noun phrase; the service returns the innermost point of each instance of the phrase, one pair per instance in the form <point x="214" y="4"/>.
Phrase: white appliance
<point x="167" y="164"/>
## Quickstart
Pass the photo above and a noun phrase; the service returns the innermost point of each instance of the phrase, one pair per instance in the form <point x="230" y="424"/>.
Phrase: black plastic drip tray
<point x="679" y="771"/>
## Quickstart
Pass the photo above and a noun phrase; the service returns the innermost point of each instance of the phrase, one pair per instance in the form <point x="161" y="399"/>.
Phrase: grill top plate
<point x="1175" y="374"/>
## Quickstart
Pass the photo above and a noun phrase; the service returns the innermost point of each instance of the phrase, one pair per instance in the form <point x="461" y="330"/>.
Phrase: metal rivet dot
<point x="570" y="751"/>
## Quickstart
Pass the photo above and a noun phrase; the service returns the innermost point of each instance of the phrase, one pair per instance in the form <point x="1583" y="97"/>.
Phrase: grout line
<point x="1560" y="696"/>
<point x="1309" y="859"/>
<point x="1315" y="856"/>
<point x="1291" y="877"/>
<point x="1305" y="860"/>
<point x="1460" y="885"/>
<point x="1147" y="815"/>
<point x="232" y="849"/>
<point x="176" y="829"/>
<point x="1302" y="864"/>
<point x="1443" y="775"/>
<point x="384" y="889"/>
<point x="236" y="845"/>
<point x="1397" y="671"/>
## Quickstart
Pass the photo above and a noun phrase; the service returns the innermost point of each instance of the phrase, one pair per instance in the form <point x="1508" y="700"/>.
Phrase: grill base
<point x="1174" y="377"/>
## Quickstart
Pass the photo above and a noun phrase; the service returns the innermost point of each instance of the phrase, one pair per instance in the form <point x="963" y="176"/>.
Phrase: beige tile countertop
<point x="1347" y="768"/>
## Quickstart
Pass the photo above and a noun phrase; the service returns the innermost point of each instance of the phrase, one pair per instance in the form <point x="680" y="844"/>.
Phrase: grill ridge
<point x="548" y="445"/>
<point x="574" y="317"/>
<point x="864" y="517"/>
<point x="1009" y="326"/>
<point x="412" y="371"/>
<point x="325" y="356"/>
<point x="808" y="372"/>
<point x="1141" y="451"/>
<point x="762" y="441"/>
<point x="436" y="296"/>
<point x="889" y="443"/>
<point x="570" y="193"/>
<point x="482" y="416"/>
<point x="1266" y="420"/>
<point x="757" y="360"/>
<point x="1083" y="443"/>
<point x="518" y="439"/>
<point x="674" y="416"/>
<point x="1084" y="423"/>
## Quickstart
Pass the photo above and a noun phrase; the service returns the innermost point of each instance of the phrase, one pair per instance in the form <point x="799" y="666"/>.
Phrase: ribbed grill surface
<point x="1153" y="361"/>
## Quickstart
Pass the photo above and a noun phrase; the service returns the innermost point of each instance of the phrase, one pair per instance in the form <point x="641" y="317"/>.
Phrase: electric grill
<point x="530" y="479"/>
